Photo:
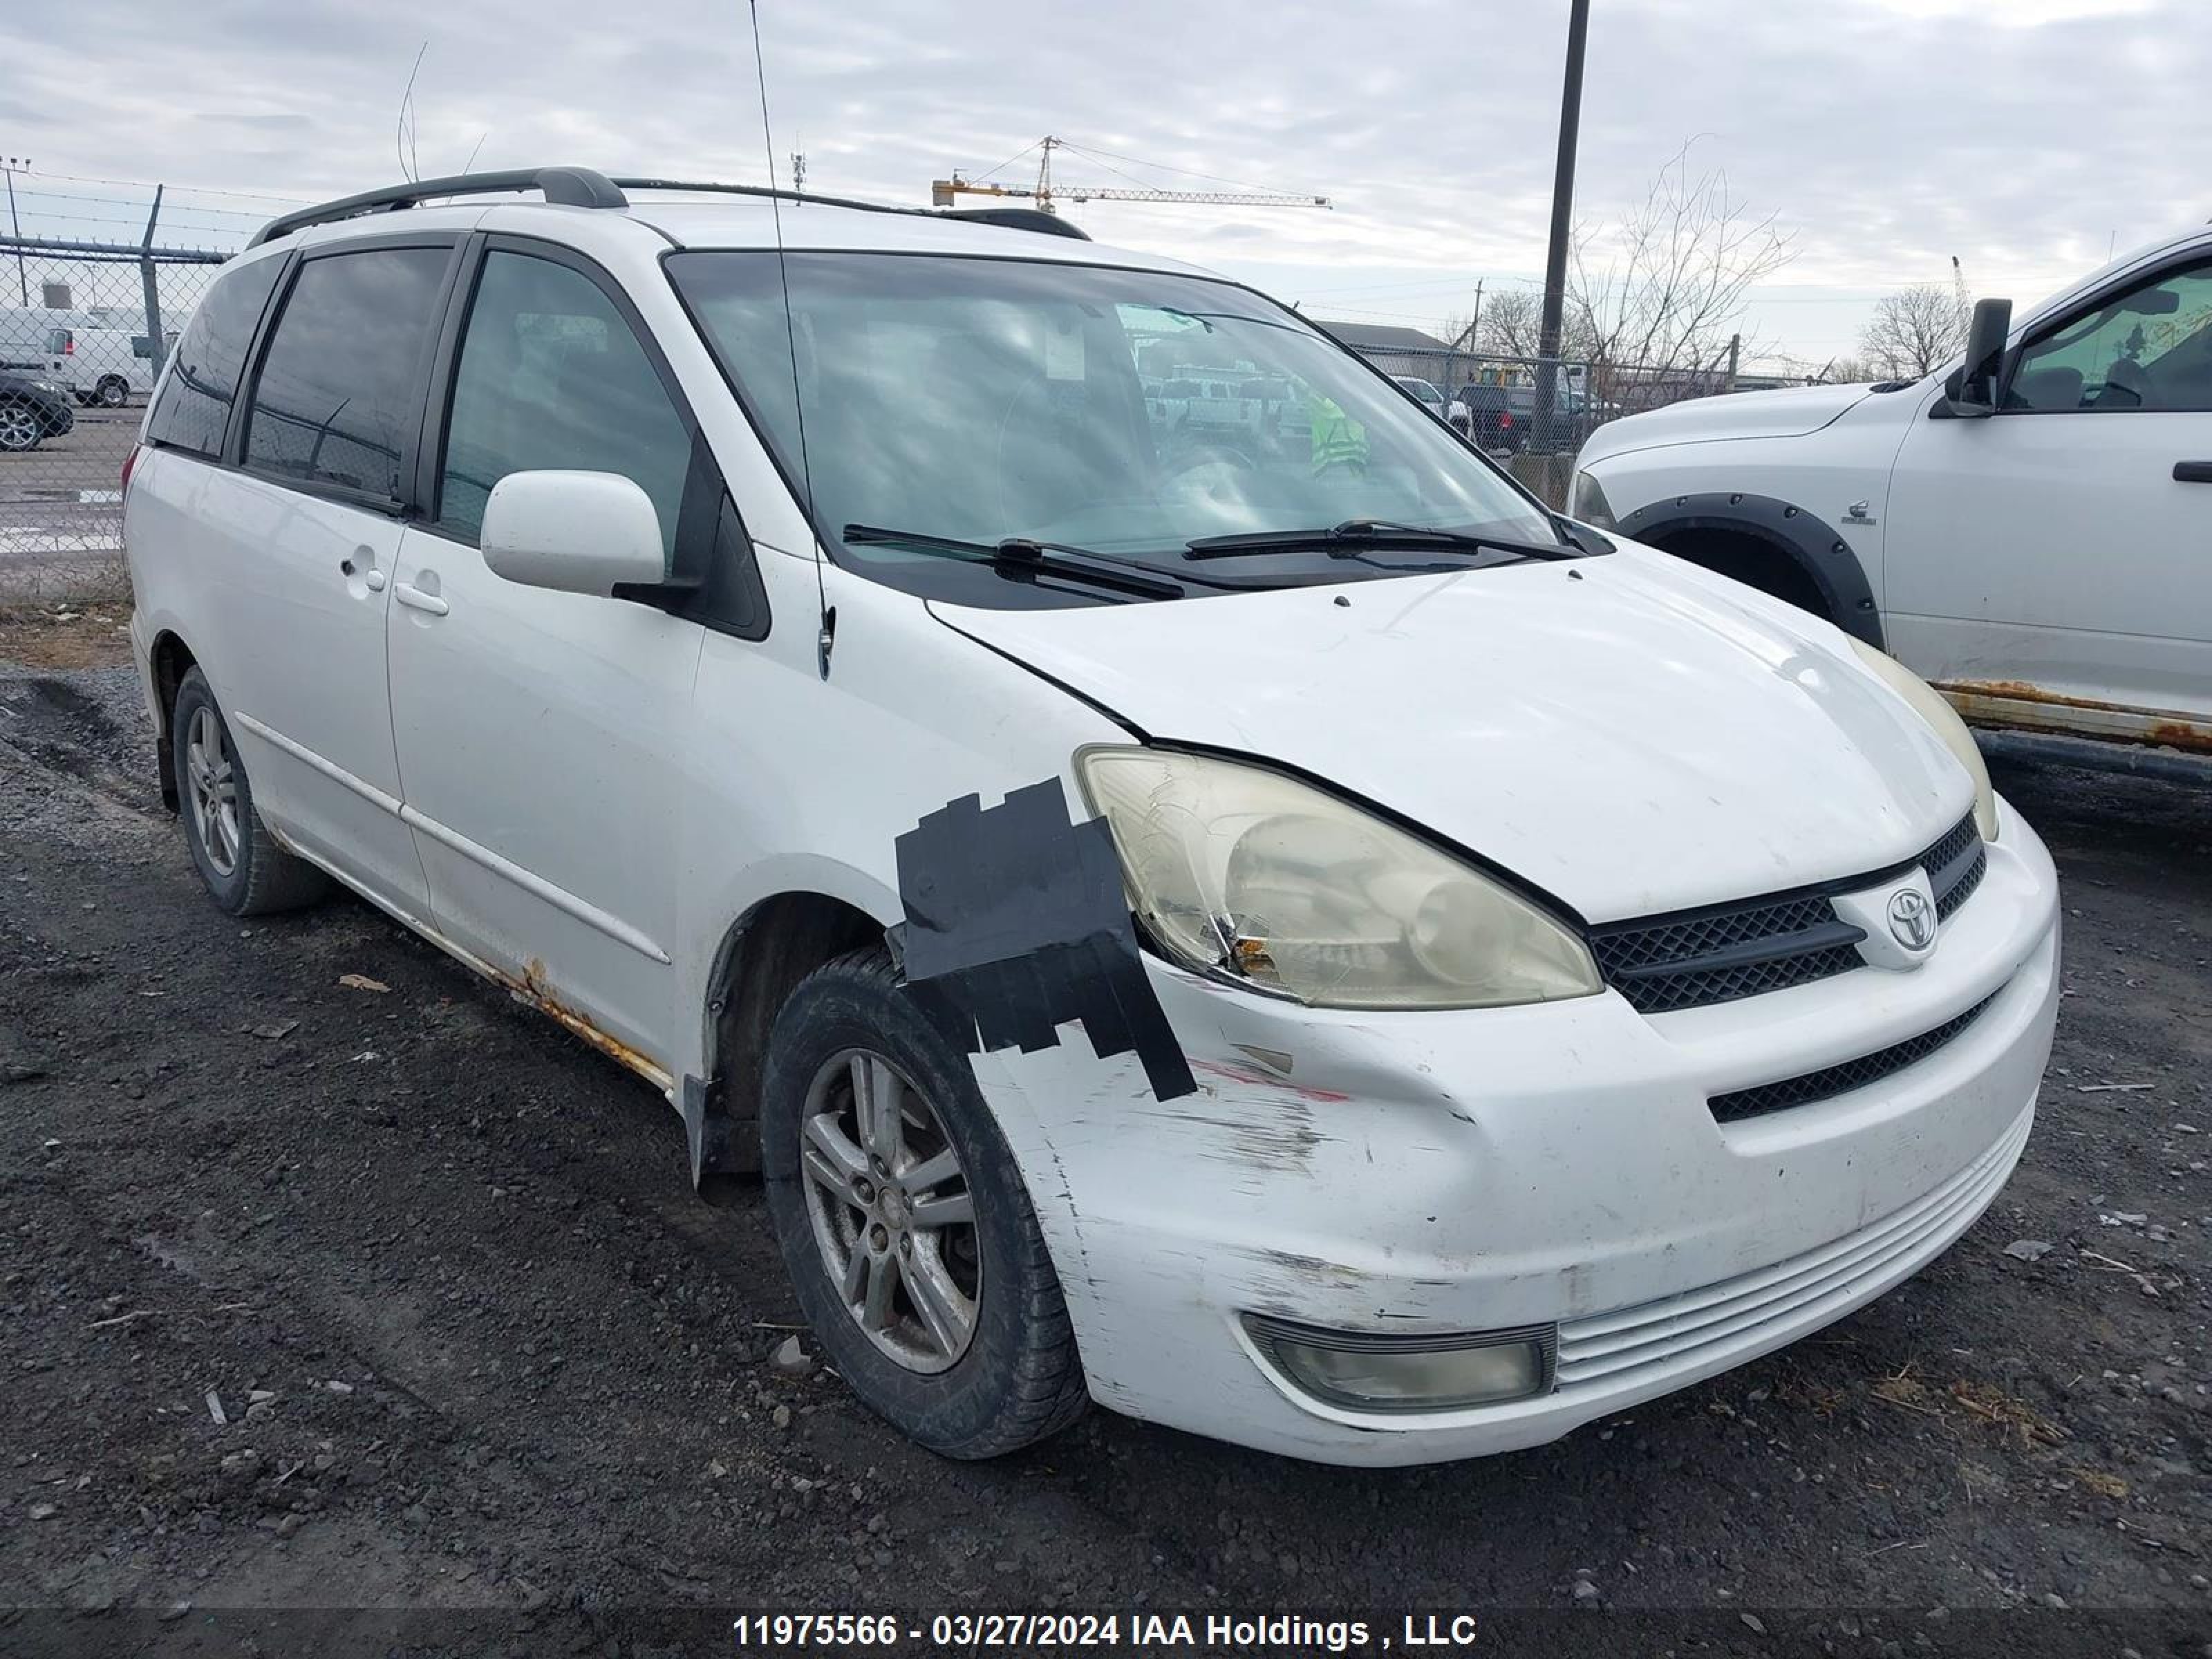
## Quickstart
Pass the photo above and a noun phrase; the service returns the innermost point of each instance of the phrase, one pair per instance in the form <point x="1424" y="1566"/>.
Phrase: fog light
<point x="1363" y="1372"/>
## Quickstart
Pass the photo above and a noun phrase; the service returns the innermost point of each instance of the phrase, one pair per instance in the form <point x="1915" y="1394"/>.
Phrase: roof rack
<point x="582" y="187"/>
<point x="563" y="186"/>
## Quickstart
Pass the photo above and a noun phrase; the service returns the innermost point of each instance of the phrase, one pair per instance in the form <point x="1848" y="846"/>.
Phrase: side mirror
<point x="1978" y="384"/>
<point x="575" y="532"/>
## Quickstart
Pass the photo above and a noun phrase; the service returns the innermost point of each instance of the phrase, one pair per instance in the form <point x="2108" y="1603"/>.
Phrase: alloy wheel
<point x="19" y="426"/>
<point x="893" y="1218"/>
<point x="211" y="786"/>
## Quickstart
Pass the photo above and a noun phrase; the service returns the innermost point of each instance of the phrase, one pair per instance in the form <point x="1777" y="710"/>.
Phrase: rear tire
<point x="245" y="871"/>
<point x="21" y="427"/>
<point x="111" y="393"/>
<point x="913" y="1248"/>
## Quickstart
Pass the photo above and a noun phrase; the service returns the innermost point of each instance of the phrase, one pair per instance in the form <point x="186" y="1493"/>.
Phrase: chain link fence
<point x="84" y="328"/>
<point x="1498" y="402"/>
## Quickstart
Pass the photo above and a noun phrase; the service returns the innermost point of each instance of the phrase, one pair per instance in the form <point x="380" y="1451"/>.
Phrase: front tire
<point x="904" y="1222"/>
<point x="243" y="868"/>
<point x="111" y="393"/>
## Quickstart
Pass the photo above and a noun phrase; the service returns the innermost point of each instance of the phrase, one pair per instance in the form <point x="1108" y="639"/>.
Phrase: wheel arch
<point x="1802" y="543"/>
<point x="171" y="660"/>
<point x="762" y="956"/>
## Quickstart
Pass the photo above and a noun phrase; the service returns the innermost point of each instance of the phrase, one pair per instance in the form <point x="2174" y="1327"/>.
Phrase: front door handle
<point x="2192" y="472"/>
<point x="413" y="597"/>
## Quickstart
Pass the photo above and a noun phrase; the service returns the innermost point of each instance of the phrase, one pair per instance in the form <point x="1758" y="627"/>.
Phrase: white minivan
<point x="1300" y="944"/>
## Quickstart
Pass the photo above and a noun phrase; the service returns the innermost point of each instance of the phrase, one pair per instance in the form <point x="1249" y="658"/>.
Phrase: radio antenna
<point x="827" y="635"/>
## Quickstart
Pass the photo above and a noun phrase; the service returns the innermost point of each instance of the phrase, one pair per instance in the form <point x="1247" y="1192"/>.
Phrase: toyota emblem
<point x="1912" y="918"/>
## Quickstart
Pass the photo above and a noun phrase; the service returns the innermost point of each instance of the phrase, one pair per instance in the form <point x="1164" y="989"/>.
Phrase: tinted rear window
<point x="195" y="403"/>
<point x="339" y="395"/>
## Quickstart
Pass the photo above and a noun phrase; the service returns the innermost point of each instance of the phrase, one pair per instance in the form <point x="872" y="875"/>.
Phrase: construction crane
<point x="944" y="192"/>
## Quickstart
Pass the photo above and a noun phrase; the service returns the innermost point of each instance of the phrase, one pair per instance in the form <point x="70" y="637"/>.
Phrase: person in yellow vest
<point x="1338" y="440"/>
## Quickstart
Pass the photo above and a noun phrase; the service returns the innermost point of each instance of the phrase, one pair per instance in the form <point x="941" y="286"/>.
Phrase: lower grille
<point x="1724" y="1322"/>
<point x="1698" y="957"/>
<point x="1841" y="1078"/>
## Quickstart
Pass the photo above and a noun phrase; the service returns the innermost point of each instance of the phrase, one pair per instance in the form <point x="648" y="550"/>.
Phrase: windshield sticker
<point x="1063" y="352"/>
<point x="1016" y="922"/>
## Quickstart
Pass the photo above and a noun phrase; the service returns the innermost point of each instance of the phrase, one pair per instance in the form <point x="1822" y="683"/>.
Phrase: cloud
<point x="1890" y="134"/>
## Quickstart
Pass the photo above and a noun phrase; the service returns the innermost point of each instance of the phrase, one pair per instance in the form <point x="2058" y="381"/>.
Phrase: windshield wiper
<point x="1017" y="555"/>
<point x="1354" y="538"/>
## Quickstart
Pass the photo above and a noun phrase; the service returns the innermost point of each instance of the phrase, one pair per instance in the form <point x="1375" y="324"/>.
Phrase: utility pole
<point x="16" y="225"/>
<point x="149" y="284"/>
<point x="1735" y="355"/>
<point x="1563" y="209"/>
<point x="1466" y="336"/>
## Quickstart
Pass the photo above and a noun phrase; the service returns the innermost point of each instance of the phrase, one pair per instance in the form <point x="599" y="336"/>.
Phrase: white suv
<point x="1293" y="941"/>
<point x="2029" y="530"/>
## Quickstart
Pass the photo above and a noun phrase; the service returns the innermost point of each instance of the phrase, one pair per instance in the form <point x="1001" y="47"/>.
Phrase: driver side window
<point x="2148" y="349"/>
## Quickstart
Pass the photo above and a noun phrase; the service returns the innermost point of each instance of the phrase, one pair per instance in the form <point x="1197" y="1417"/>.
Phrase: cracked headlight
<point x="1928" y="702"/>
<point x="1246" y="874"/>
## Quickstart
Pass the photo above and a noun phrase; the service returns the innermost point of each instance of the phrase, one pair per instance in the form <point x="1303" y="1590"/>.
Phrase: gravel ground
<point x="327" y="1297"/>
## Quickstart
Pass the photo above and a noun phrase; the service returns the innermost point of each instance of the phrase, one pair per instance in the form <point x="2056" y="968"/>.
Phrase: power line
<point x="192" y="190"/>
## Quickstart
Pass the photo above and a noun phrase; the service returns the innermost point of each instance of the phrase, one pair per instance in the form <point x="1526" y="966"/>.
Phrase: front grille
<point x="1829" y="1080"/>
<point x="1954" y="867"/>
<point x="1720" y="954"/>
<point x="1717" y="956"/>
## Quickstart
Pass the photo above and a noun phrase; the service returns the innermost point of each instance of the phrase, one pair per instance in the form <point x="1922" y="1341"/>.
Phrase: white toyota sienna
<point x="1194" y="889"/>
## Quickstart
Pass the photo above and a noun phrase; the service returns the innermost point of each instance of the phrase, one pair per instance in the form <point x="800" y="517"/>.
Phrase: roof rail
<point x="582" y="187"/>
<point x="1036" y="219"/>
<point x="563" y="186"/>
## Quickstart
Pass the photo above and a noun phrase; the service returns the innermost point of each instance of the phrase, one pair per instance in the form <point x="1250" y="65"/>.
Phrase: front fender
<point x="1816" y="548"/>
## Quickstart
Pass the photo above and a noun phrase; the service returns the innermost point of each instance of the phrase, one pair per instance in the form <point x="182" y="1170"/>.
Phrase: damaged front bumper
<point x="1553" y="1169"/>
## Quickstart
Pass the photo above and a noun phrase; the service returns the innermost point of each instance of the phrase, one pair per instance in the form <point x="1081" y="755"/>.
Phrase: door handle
<point x="413" y="597"/>
<point x="2192" y="472"/>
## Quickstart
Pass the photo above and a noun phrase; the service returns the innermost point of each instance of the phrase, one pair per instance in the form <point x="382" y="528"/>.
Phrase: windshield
<point x="1125" y="412"/>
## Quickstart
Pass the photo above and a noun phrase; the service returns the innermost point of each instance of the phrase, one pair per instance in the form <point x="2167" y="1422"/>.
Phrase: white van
<point x="1299" y="944"/>
<point x="107" y="367"/>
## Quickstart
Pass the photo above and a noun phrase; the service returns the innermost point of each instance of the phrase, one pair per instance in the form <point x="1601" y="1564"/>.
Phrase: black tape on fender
<point x="1016" y="921"/>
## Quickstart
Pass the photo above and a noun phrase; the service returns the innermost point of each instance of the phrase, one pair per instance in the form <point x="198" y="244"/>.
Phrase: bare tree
<point x="1849" y="371"/>
<point x="1665" y="286"/>
<point x="1917" y="330"/>
<point x="1512" y="326"/>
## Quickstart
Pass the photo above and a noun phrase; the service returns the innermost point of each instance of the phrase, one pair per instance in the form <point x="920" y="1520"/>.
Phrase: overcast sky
<point x="2026" y="136"/>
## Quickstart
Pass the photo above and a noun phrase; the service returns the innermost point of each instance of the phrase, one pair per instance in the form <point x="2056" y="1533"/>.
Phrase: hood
<point x="1789" y="412"/>
<point x="1630" y="734"/>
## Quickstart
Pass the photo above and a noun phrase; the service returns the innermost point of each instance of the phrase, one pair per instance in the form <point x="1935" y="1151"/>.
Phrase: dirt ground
<point x="330" y="1278"/>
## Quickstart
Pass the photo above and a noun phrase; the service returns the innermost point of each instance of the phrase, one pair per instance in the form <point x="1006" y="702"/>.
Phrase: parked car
<point x="1452" y="412"/>
<point x="2025" y="527"/>
<point x="104" y="366"/>
<point x="1504" y="416"/>
<point x="33" y="409"/>
<point x="1312" y="949"/>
